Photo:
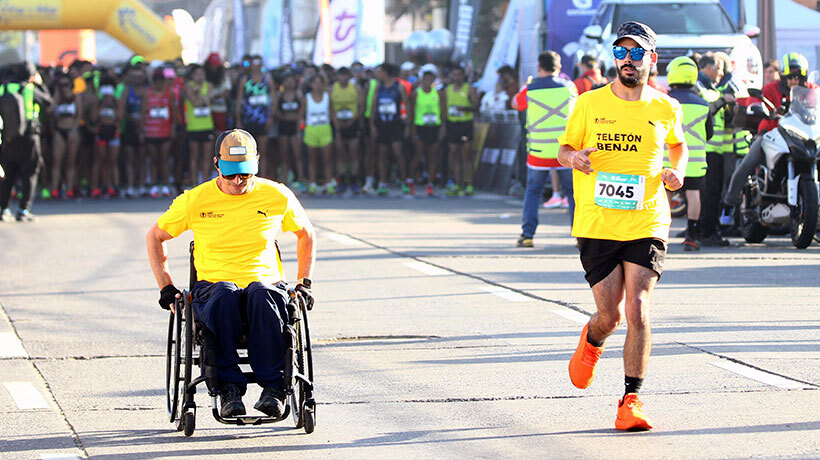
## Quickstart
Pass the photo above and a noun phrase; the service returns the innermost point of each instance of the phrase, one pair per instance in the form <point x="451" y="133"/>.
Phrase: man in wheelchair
<point x="235" y="219"/>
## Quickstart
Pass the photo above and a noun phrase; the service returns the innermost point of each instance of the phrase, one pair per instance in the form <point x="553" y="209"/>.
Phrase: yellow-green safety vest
<point x="32" y="109"/>
<point x="548" y="110"/>
<point x="694" y="132"/>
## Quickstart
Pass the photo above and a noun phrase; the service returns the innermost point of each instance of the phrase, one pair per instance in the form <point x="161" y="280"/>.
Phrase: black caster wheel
<point x="189" y="423"/>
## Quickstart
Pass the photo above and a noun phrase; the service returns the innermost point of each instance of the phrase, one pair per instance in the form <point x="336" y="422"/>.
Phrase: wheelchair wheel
<point x="310" y="417"/>
<point x="302" y="397"/>
<point x="179" y="360"/>
<point x="172" y="366"/>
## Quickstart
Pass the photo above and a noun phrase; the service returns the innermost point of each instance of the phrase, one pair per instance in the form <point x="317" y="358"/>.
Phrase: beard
<point x="634" y="80"/>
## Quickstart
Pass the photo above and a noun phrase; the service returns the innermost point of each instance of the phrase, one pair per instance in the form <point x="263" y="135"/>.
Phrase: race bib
<point x="159" y="112"/>
<point x="107" y="112"/>
<point x="259" y="99"/>
<point x="316" y="119"/>
<point x="429" y="119"/>
<point x="344" y="114"/>
<point x="290" y="106"/>
<point x="387" y="108"/>
<point x="66" y="110"/>
<point x="201" y="112"/>
<point x="620" y="191"/>
<point x="454" y="111"/>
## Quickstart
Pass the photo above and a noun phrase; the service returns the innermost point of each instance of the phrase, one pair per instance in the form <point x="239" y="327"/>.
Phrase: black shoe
<point x="271" y="402"/>
<point x="681" y="234"/>
<point x="231" y="401"/>
<point x="690" y="245"/>
<point x="714" y="240"/>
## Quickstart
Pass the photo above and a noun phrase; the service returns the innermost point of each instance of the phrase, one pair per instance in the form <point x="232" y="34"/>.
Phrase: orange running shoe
<point x="630" y="415"/>
<point x="582" y="364"/>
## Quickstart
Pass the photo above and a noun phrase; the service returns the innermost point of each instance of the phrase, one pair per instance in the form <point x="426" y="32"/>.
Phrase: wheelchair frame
<point x="186" y="348"/>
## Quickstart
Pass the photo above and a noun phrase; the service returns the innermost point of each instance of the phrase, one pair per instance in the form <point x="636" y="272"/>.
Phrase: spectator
<point x="590" y="74"/>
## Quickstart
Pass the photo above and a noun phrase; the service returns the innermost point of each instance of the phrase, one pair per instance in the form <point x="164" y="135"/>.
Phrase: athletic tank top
<point x="199" y="118"/>
<point x="455" y="99"/>
<point x="108" y="113"/>
<point x="286" y="106"/>
<point x="66" y="109"/>
<point x="428" y="108"/>
<point x="158" y="119"/>
<point x="345" y="101"/>
<point x="133" y="105"/>
<point x="388" y="100"/>
<point x="256" y="102"/>
<point x="318" y="113"/>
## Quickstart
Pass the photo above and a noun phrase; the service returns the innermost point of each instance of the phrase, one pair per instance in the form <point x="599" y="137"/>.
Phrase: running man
<point x="614" y="142"/>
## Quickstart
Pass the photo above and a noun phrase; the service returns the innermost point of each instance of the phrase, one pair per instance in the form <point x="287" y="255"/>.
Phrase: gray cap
<point x="641" y="33"/>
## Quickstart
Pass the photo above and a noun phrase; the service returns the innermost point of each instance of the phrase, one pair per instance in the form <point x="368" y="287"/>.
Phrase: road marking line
<point x="760" y="376"/>
<point x="10" y="346"/>
<point x="25" y="395"/>
<point x="506" y="294"/>
<point x="59" y="457"/>
<point x="342" y="239"/>
<point x="572" y="315"/>
<point x="426" y="268"/>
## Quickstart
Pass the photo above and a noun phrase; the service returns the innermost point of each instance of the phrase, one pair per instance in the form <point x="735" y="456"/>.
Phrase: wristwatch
<point x="306" y="282"/>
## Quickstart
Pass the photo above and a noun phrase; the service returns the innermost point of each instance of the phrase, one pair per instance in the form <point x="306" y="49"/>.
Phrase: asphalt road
<point x="434" y="337"/>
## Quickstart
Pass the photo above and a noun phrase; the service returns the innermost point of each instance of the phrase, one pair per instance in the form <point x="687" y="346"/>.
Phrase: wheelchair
<point x="187" y="347"/>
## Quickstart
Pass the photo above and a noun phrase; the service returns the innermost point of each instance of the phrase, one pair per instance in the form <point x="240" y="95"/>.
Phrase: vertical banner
<point x="505" y="48"/>
<point x="213" y="35"/>
<point x="239" y="29"/>
<point x="342" y="29"/>
<point x="566" y="20"/>
<point x="287" y="36"/>
<point x="530" y="45"/>
<point x="463" y="20"/>
<point x="271" y="33"/>
<point x="370" y="36"/>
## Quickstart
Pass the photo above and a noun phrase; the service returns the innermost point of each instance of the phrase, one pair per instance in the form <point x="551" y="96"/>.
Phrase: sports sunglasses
<point x="233" y="176"/>
<point x="637" y="53"/>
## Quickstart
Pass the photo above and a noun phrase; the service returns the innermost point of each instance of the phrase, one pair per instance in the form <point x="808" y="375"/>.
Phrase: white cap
<point x="428" y="68"/>
<point x="407" y="66"/>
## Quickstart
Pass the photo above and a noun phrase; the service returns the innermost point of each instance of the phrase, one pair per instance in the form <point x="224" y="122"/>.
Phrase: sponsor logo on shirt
<point x="604" y="121"/>
<point x="211" y="215"/>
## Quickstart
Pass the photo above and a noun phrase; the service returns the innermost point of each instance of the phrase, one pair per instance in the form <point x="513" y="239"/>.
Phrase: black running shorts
<point x="692" y="183"/>
<point x="600" y="257"/>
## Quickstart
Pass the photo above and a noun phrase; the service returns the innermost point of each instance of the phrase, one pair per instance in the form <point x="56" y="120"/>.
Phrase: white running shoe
<point x="154" y="191"/>
<point x="554" y="202"/>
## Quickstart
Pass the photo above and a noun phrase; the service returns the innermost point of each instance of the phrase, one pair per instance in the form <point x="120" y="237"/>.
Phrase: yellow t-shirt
<point x="235" y="235"/>
<point x="630" y="138"/>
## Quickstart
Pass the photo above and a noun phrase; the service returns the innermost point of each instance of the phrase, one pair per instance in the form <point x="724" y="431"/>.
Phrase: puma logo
<point x="260" y="212"/>
<point x="650" y="122"/>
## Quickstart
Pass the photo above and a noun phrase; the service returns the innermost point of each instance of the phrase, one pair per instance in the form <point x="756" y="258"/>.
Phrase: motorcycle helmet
<point x="682" y="71"/>
<point x="795" y="64"/>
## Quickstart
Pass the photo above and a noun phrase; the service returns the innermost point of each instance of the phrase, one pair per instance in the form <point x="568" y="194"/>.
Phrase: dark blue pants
<point x="217" y="307"/>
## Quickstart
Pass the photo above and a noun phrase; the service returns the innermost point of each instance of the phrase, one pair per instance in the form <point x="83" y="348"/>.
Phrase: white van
<point x="683" y="28"/>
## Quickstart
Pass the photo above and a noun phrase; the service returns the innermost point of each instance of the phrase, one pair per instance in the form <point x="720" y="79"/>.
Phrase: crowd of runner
<point x="147" y="129"/>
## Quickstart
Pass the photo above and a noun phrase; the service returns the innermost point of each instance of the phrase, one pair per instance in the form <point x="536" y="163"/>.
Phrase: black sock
<point x="632" y="384"/>
<point x="693" y="229"/>
<point x="598" y="344"/>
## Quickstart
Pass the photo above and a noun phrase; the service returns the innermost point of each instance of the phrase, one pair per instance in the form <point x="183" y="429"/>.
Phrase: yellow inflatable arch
<point x="129" y="21"/>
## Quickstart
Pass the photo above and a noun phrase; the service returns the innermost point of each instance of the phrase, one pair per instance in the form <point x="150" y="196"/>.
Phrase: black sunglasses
<point x="233" y="176"/>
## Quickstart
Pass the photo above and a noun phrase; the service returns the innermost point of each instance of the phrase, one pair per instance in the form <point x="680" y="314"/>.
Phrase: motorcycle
<point x="784" y="189"/>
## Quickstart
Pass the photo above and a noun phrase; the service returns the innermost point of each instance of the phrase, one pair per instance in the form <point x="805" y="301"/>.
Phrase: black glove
<point x="168" y="295"/>
<point x="304" y="291"/>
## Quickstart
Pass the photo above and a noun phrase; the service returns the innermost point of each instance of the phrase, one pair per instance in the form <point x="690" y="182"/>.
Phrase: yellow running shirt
<point x="235" y="235"/>
<point x="630" y="138"/>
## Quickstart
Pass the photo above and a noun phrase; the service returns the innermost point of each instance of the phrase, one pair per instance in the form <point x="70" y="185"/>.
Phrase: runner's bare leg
<point x="609" y="298"/>
<point x="640" y="281"/>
